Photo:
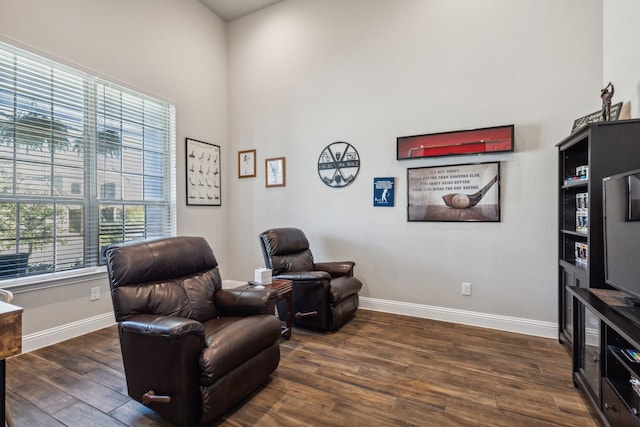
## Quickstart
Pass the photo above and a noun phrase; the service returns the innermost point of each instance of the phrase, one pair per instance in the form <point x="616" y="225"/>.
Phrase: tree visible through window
<point x="84" y="164"/>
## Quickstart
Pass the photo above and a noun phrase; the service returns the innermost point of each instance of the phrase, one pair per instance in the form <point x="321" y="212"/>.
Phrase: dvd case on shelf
<point x="582" y="174"/>
<point x="582" y="213"/>
<point x="574" y="179"/>
<point x="582" y="221"/>
<point x="582" y="254"/>
<point x="582" y="200"/>
<point x="582" y="171"/>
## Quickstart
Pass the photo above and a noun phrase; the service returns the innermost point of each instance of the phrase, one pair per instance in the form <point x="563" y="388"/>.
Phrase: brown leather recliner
<point x="190" y="349"/>
<point x="325" y="294"/>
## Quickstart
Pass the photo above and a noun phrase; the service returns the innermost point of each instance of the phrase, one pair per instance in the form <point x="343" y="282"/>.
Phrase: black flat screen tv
<point x="621" y="216"/>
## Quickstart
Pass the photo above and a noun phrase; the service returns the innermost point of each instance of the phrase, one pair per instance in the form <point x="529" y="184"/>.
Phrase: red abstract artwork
<point x="476" y="141"/>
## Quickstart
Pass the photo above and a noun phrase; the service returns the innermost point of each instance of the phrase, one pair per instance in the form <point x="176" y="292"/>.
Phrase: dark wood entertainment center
<point x="597" y="337"/>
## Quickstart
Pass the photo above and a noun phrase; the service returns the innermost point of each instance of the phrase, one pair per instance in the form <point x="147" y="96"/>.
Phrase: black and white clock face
<point x="338" y="164"/>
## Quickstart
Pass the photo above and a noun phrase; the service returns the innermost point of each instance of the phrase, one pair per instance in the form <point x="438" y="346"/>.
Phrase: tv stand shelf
<point x="619" y="353"/>
<point x="607" y="313"/>
<point x="600" y="367"/>
<point x="630" y="313"/>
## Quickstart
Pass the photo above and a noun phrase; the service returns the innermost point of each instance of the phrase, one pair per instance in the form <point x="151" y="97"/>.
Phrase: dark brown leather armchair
<point x="190" y="349"/>
<point x="325" y="294"/>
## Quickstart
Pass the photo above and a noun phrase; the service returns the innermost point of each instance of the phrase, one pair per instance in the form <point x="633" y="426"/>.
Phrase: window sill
<point x="52" y="280"/>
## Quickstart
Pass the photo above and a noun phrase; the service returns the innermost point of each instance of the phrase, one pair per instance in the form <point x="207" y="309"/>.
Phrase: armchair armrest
<point x="162" y="326"/>
<point x="336" y="268"/>
<point x="161" y="354"/>
<point x="245" y="302"/>
<point x="301" y="276"/>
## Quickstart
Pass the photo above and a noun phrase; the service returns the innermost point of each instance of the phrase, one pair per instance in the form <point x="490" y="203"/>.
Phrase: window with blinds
<point x="84" y="164"/>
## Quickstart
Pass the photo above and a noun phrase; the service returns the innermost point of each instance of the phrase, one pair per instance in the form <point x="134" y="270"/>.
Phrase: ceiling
<point x="229" y="10"/>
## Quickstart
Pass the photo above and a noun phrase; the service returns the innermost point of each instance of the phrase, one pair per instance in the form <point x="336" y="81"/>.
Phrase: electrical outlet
<point x="95" y="293"/>
<point x="466" y="288"/>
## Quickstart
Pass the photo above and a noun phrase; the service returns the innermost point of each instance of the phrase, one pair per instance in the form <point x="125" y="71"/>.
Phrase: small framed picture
<point x="383" y="189"/>
<point x="275" y="173"/>
<point x="247" y="164"/>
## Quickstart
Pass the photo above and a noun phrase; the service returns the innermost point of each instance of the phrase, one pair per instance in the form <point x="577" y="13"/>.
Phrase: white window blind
<point x="84" y="164"/>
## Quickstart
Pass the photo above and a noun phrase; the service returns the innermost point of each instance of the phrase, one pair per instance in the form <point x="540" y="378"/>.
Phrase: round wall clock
<point x="338" y="164"/>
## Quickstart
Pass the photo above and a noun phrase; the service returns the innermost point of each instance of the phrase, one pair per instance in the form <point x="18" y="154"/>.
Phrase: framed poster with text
<point x="454" y="193"/>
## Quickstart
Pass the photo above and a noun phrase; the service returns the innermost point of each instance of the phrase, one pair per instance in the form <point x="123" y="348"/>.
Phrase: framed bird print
<point x="203" y="173"/>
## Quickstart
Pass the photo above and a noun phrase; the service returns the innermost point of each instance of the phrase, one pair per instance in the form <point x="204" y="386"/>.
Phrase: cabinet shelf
<point x="619" y="353"/>
<point x="575" y="233"/>
<point x="577" y="268"/>
<point x="575" y="183"/>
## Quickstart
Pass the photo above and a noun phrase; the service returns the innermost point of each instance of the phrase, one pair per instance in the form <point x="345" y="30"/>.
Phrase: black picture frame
<point x="454" y="193"/>
<point x="203" y="173"/>
<point x="633" y="197"/>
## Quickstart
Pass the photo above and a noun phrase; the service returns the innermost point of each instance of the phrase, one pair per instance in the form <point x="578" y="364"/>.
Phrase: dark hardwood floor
<point x="378" y="370"/>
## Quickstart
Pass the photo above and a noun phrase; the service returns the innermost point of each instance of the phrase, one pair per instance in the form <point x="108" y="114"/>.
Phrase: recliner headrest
<point x="161" y="259"/>
<point x="284" y="241"/>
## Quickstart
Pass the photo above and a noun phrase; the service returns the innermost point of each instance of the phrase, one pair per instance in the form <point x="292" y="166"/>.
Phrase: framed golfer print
<point x="247" y="164"/>
<point x="275" y="172"/>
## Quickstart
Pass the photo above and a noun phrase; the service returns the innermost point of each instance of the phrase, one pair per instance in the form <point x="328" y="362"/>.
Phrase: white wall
<point x="620" y="51"/>
<point x="171" y="49"/>
<point x="306" y="73"/>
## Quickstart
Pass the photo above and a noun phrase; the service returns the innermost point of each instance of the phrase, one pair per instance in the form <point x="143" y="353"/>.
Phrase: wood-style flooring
<point x="378" y="370"/>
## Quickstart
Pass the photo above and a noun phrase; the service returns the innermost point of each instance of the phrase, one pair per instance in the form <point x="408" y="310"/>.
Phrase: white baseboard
<point x="483" y="320"/>
<point x="60" y="333"/>
<point x="51" y="336"/>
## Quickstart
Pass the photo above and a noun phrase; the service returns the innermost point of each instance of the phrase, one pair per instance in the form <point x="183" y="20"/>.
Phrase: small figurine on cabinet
<point x="606" y="94"/>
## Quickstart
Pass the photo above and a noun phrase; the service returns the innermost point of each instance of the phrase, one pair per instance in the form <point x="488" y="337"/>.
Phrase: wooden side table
<point x="10" y="344"/>
<point x="283" y="288"/>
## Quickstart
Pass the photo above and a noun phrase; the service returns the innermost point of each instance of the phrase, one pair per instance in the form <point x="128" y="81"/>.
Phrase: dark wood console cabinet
<point x="600" y="367"/>
<point x="606" y="149"/>
<point x="596" y="335"/>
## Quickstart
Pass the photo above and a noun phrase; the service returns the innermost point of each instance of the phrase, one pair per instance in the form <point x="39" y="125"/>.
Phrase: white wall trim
<point x="483" y="320"/>
<point x="60" y="333"/>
